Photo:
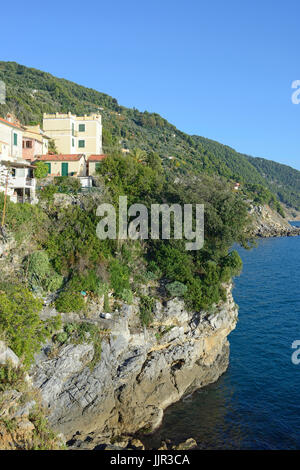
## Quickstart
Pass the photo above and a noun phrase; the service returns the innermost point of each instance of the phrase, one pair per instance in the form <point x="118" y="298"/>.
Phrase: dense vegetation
<point x="66" y="256"/>
<point x="31" y="92"/>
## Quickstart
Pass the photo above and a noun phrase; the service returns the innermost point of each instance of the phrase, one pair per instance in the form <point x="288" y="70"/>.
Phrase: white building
<point x="16" y="175"/>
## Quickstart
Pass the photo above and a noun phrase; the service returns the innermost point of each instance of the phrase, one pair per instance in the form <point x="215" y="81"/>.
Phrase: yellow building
<point x="93" y="163"/>
<point x="64" y="165"/>
<point x="74" y="134"/>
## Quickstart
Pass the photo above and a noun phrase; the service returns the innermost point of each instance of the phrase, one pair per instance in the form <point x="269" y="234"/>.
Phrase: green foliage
<point x="146" y="309"/>
<point x="143" y="130"/>
<point x="119" y="277"/>
<point x="40" y="272"/>
<point x="52" y="149"/>
<point x="19" y="319"/>
<point x="67" y="184"/>
<point x="24" y="220"/>
<point x="176" y="289"/>
<point x="46" y="193"/>
<point x="11" y="377"/>
<point x="41" y="170"/>
<point x="127" y="296"/>
<point x="106" y="306"/>
<point x="69" y="301"/>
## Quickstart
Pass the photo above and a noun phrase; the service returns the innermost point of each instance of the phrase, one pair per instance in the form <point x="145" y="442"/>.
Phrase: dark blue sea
<point x="256" y="403"/>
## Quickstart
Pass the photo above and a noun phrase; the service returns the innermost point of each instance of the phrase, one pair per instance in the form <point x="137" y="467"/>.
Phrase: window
<point x="28" y="144"/>
<point x="72" y="142"/>
<point x="81" y="144"/>
<point x="73" y="132"/>
<point x="15" y="139"/>
<point x="81" y="128"/>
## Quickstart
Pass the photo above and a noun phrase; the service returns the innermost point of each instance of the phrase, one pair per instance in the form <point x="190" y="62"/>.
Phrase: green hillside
<point x="31" y="92"/>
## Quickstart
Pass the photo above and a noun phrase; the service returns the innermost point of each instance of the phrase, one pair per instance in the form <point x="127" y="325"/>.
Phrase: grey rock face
<point x="141" y="371"/>
<point x="7" y="355"/>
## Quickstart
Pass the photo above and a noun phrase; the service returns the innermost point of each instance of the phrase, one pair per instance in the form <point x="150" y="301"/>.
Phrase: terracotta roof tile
<point x="96" y="158"/>
<point x="60" y="158"/>
<point x="11" y="123"/>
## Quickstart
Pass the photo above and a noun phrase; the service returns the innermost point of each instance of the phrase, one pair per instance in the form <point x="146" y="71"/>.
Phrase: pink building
<point x="35" y="142"/>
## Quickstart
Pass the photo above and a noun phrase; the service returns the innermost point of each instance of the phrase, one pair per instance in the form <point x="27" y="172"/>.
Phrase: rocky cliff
<point x="268" y="223"/>
<point x="141" y="371"/>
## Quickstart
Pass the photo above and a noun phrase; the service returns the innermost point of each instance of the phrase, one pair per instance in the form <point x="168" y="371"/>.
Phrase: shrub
<point x="41" y="273"/>
<point x="127" y="296"/>
<point x="106" y="306"/>
<point x="67" y="184"/>
<point x="176" y="289"/>
<point x="146" y="309"/>
<point x="19" y="319"/>
<point x="119" y="277"/>
<point x="41" y="170"/>
<point x="69" y="301"/>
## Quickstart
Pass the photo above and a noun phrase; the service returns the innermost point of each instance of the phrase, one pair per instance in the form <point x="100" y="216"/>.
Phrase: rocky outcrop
<point x="141" y="371"/>
<point x="268" y="223"/>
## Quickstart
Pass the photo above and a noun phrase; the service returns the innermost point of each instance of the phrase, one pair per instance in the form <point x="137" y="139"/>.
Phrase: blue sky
<point x="219" y="69"/>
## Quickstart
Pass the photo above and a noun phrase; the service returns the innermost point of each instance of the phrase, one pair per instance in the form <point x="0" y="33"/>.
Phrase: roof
<point x="60" y="158"/>
<point x="96" y="158"/>
<point x="12" y="124"/>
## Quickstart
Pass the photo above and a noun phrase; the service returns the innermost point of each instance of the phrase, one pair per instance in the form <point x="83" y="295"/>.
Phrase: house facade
<point x="34" y="143"/>
<point x="64" y="164"/>
<point x="93" y="162"/>
<point x="11" y="135"/>
<point x="16" y="174"/>
<point x="74" y="134"/>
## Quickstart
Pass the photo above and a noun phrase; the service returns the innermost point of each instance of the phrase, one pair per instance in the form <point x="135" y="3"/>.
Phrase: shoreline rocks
<point x="141" y="371"/>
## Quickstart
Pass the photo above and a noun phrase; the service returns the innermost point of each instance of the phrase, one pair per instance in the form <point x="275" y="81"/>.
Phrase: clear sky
<point x="220" y="69"/>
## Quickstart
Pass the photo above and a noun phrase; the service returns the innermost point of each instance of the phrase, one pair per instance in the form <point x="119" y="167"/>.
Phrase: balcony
<point x="23" y="182"/>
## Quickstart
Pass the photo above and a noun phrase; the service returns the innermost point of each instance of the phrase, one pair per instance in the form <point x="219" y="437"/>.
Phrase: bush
<point x="176" y="289"/>
<point x="67" y="184"/>
<point x="19" y="319"/>
<point x="41" y="274"/>
<point x="127" y="296"/>
<point x="69" y="301"/>
<point x="41" y="170"/>
<point x="46" y="193"/>
<point x="146" y="309"/>
<point x="119" y="277"/>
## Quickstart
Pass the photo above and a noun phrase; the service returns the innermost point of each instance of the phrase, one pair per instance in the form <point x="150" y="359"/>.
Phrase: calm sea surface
<point x="256" y="403"/>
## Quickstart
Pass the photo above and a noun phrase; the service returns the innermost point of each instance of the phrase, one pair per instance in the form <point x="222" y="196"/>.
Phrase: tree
<point x="41" y="170"/>
<point x="52" y="147"/>
<point x="20" y="321"/>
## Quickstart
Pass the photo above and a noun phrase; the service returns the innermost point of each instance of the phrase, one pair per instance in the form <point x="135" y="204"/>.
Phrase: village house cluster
<point x="77" y="139"/>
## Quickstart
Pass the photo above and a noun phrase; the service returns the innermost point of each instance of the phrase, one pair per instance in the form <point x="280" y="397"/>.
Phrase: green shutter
<point x="64" y="169"/>
<point x="97" y="166"/>
<point x="49" y="168"/>
<point x="15" y="139"/>
<point x="81" y="128"/>
<point x="81" y="143"/>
